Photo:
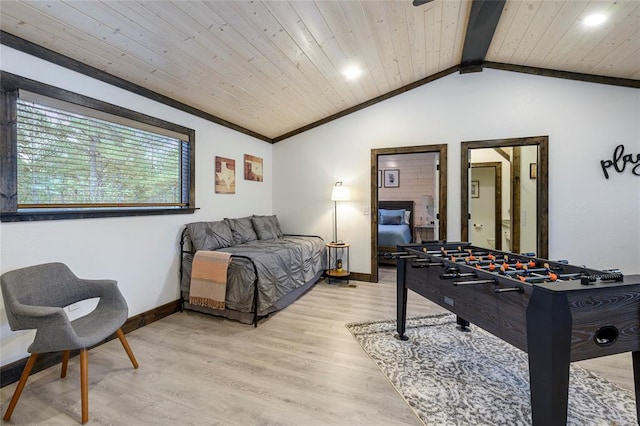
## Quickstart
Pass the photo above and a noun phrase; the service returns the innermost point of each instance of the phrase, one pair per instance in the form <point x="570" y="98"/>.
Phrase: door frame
<point x="441" y="149"/>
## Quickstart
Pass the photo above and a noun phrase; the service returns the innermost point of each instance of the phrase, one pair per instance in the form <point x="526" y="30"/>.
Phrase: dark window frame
<point x="10" y="85"/>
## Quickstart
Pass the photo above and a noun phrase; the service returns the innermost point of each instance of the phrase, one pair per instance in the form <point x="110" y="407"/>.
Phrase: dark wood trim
<point x="545" y="72"/>
<point x="542" y="221"/>
<point x="441" y="149"/>
<point x="515" y="200"/>
<point x="542" y="193"/>
<point x="503" y="154"/>
<point x="8" y="150"/>
<point x="10" y="85"/>
<point x="358" y="276"/>
<point x="368" y="103"/>
<point x="88" y="214"/>
<point x="64" y="61"/>
<point x="10" y="373"/>
<point x="11" y="81"/>
<point x="442" y="201"/>
<point x="465" y="170"/>
<point x="482" y="24"/>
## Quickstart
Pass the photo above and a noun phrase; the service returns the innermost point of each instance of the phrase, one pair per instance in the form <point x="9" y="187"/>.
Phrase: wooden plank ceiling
<point x="274" y="67"/>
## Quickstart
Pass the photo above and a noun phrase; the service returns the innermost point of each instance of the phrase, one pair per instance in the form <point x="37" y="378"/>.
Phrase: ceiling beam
<point x="483" y="21"/>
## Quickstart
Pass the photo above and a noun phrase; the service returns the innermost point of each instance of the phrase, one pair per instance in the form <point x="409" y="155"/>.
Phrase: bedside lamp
<point x="339" y="193"/>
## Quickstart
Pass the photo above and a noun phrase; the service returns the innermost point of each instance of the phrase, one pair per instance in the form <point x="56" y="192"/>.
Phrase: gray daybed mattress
<point x="286" y="267"/>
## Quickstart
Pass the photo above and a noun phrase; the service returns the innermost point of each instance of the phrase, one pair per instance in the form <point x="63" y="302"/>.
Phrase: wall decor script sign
<point x="619" y="162"/>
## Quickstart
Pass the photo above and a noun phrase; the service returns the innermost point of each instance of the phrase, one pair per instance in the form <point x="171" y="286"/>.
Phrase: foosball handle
<point x="591" y="279"/>
<point x="398" y="254"/>
<point x="611" y="277"/>
<point x="516" y="289"/>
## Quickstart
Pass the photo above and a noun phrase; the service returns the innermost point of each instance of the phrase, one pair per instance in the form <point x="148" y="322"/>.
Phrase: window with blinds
<point x="67" y="159"/>
<point x="74" y="157"/>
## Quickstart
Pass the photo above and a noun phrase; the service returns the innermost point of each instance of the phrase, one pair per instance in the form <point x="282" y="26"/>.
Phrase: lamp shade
<point x="340" y="193"/>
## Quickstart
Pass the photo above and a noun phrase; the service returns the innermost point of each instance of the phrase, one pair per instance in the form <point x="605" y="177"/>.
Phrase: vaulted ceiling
<point x="274" y="68"/>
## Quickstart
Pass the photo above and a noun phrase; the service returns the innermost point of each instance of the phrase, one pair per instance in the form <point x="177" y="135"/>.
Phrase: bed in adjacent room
<point x="395" y="226"/>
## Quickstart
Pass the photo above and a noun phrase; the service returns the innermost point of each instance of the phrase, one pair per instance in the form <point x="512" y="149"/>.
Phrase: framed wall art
<point x="225" y="175"/>
<point x="252" y="168"/>
<point x="392" y="178"/>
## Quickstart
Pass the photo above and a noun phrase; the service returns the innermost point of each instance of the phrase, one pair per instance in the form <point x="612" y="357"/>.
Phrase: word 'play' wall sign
<point x="619" y="162"/>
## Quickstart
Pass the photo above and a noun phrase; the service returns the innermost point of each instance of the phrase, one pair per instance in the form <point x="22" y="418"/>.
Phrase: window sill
<point x="61" y="214"/>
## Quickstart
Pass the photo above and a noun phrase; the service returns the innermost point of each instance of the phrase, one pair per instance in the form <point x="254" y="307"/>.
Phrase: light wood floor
<point x="301" y="366"/>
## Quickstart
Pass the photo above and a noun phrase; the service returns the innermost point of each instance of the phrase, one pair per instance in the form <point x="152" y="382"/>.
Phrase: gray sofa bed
<point x="268" y="270"/>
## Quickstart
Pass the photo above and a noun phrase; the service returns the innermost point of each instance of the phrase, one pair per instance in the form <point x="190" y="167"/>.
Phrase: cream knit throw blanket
<point x="209" y="279"/>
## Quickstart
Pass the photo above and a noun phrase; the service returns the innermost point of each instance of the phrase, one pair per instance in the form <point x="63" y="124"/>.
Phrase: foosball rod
<point x="476" y="282"/>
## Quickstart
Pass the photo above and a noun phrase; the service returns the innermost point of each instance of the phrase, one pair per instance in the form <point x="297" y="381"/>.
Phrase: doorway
<point x="388" y="180"/>
<point x="486" y="206"/>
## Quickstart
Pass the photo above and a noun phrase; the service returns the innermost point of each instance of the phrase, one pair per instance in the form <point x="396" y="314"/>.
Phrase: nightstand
<point x="423" y="233"/>
<point x="337" y="262"/>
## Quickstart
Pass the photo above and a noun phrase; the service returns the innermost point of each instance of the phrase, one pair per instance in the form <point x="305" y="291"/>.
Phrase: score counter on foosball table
<point x="556" y="312"/>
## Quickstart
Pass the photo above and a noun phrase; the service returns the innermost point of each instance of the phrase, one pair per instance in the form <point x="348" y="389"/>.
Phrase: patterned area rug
<point x="454" y="378"/>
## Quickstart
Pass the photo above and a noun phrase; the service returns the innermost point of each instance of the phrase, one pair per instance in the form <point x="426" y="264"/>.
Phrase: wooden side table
<point x="423" y="233"/>
<point x="337" y="262"/>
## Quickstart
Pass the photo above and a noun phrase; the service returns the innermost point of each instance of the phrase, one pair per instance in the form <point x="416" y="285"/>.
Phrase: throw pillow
<point x="242" y="230"/>
<point x="210" y="235"/>
<point x="267" y="227"/>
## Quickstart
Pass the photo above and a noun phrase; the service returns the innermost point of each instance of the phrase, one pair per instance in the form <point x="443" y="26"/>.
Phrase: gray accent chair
<point x="35" y="297"/>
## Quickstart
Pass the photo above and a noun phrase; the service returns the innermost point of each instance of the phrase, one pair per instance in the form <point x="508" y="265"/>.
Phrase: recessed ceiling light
<point x="352" y="72"/>
<point x="595" y="19"/>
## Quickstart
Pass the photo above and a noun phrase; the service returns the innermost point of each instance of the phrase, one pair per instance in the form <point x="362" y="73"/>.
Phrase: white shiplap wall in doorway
<point x="417" y="182"/>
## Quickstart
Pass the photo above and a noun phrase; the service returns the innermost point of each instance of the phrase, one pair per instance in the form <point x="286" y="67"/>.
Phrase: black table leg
<point x="549" y="349"/>
<point x="636" y="380"/>
<point x="463" y="324"/>
<point x="401" y="300"/>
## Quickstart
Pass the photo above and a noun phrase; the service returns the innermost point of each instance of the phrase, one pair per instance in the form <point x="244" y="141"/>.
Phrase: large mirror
<point x="504" y="187"/>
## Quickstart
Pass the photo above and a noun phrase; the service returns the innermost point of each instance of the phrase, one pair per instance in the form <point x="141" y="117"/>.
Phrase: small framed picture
<point x="225" y="175"/>
<point x="252" y="168"/>
<point x="533" y="171"/>
<point x="475" y="189"/>
<point x="392" y="178"/>
<point x="379" y="178"/>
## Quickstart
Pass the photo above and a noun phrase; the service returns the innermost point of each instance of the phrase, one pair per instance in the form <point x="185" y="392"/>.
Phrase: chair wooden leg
<point x="84" y="384"/>
<point x="65" y="362"/>
<point x="21" y="383"/>
<point x="127" y="348"/>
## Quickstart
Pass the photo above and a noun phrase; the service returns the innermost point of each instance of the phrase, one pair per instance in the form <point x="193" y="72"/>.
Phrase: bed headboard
<point x="396" y="205"/>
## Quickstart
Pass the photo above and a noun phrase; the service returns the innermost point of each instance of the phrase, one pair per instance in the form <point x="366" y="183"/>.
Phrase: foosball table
<point x="556" y="312"/>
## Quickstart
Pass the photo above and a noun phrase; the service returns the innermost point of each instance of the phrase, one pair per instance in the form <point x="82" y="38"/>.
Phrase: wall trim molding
<point x="10" y="373"/>
<point x="358" y="276"/>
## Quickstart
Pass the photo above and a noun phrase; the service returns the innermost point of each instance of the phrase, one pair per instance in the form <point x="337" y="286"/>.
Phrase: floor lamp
<point x="339" y="193"/>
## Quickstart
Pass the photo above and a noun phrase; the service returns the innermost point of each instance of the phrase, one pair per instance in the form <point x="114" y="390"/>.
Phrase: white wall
<point x="593" y="221"/>
<point x="141" y="253"/>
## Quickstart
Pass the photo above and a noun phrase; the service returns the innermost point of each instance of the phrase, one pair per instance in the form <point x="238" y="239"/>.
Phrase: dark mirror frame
<point x="542" y="185"/>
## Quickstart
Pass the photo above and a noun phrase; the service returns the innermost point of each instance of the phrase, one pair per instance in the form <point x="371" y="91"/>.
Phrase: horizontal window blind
<point x="71" y="158"/>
